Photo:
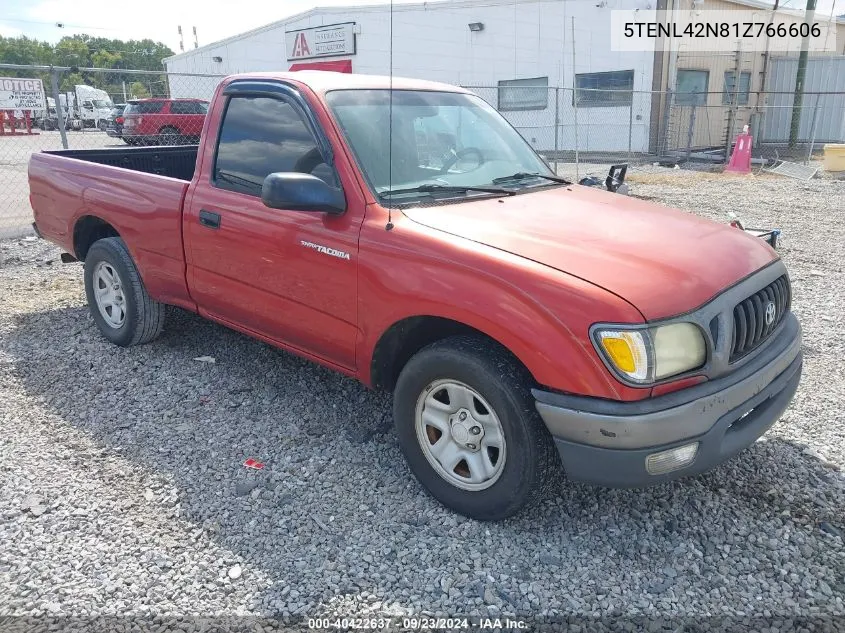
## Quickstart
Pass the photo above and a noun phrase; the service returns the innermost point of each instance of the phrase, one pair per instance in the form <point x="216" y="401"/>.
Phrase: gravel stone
<point x="824" y="526"/>
<point x="136" y="456"/>
<point x="243" y="488"/>
<point x="235" y="572"/>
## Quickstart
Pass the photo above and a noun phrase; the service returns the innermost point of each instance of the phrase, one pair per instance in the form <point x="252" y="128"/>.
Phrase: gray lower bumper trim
<point x="733" y="432"/>
<point x="658" y="427"/>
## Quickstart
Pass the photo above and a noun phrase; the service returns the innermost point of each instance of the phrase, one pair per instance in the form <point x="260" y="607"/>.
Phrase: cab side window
<point x="186" y="107"/>
<point x="262" y="135"/>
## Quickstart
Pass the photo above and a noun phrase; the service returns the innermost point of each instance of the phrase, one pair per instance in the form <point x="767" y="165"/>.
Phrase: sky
<point x="154" y="19"/>
<point x="159" y="19"/>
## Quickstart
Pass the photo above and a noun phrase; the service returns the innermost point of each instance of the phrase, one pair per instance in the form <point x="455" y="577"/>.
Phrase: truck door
<point x="287" y="275"/>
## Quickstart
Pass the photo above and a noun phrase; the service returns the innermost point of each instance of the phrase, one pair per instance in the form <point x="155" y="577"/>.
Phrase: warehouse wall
<point x="823" y="115"/>
<point x="433" y="41"/>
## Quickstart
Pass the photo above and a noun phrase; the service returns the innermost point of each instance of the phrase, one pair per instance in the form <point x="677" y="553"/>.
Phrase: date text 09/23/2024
<point x="409" y="623"/>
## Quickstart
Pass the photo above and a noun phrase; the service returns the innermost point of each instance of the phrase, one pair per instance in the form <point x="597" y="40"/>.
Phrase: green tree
<point x="69" y="80"/>
<point x="72" y="51"/>
<point x="137" y="90"/>
<point x="85" y="51"/>
<point x="105" y="59"/>
<point x="24" y="50"/>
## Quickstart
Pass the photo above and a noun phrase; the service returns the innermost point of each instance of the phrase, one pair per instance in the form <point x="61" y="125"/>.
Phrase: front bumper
<point x="607" y="443"/>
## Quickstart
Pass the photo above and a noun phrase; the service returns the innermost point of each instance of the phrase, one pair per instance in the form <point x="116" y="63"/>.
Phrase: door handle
<point x="209" y="219"/>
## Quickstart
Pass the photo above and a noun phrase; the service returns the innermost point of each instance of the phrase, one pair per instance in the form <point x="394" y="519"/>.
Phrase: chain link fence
<point x="86" y="108"/>
<point x="697" y="129"/>
<point x="600" y="128"/>
<point x="580" y="131"/>
<point x="704" y="134"/>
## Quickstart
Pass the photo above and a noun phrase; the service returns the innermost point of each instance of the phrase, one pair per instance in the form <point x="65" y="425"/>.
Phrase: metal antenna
<point x="389" y="225"/>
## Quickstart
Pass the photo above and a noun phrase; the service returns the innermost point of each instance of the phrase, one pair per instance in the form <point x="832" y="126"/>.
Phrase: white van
<point x="94" y="106"/>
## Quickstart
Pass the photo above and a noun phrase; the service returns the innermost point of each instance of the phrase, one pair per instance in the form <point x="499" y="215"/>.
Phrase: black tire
<point x="169" y="135"/>
<point x="144" y="318"/>
<point x="531" y="466"/>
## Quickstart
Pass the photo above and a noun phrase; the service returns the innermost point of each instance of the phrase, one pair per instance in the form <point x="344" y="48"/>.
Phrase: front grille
<point x="750" y="327"/>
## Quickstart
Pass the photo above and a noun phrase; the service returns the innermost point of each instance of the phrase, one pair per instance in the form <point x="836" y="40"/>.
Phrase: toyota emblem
<point x="770" y="313"/>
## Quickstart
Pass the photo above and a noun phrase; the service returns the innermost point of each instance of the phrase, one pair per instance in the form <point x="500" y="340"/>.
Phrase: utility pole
<point x="767" y="54"/>
<point x="759" y="124"/>
<point x="795" y="124"/>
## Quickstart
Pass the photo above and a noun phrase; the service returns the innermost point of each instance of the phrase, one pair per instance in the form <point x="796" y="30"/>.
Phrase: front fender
<point x="540" y="314"/>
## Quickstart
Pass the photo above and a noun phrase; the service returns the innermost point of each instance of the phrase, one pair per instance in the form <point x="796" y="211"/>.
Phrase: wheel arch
<point x="88" y="229"/>
<point x="404" y="338"/>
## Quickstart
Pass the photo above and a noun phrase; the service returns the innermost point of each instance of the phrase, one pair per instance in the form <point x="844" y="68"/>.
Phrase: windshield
<point x="102" y="103"/>
<point x="442" y="138"/>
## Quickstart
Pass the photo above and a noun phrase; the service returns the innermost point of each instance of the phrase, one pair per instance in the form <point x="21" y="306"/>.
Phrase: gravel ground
<point x="122" y="490"/>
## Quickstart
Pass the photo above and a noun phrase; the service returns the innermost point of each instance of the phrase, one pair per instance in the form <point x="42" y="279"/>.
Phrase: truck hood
<point x="663" y="261"/>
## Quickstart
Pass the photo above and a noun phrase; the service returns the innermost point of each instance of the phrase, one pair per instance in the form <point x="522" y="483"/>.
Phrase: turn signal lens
<point x="627" y="352"/>
<point x="647" y="355"/>
<point x="620" y="353"/>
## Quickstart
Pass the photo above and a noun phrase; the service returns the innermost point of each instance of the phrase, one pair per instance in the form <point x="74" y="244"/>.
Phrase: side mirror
<point x="301" y="192"/>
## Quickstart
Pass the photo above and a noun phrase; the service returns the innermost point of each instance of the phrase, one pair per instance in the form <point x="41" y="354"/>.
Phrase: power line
<point x="63" y="25"/>
<point x="57" y="24"/>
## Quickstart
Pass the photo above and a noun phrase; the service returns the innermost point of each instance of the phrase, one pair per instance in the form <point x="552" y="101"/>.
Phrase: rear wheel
<point x="469" y="430"/>
<point x="169" y="135"/>
<point x="117" y="299"/>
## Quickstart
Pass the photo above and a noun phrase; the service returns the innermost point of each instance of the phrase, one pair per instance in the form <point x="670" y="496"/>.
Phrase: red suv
<point x="163" y="121"/>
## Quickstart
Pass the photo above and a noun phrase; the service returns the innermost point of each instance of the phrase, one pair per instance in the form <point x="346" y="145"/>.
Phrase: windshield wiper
<point x="446" y="189"/>
<point x="524" y="175"/>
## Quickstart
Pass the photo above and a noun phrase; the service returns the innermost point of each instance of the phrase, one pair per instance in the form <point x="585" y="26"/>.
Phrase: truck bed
<point x="174" y="162"/>
<point x="142" y="206"/>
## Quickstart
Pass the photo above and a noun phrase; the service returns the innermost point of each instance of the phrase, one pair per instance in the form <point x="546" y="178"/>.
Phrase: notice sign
<point x="321" y="41"/>
<point x="21" y="94"/>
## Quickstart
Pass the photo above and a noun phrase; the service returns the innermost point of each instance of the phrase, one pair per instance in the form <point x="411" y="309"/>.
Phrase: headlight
<point x="646" y="355"/>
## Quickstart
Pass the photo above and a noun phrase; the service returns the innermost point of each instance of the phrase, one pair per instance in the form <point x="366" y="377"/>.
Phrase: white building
<point x="514" y="48"/>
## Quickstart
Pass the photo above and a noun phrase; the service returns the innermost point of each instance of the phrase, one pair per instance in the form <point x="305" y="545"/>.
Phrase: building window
<point x="606" y="89"/>
<point x="524" y="94"/>
<point x="691" y="88"/>
<point x="731" y="91"/>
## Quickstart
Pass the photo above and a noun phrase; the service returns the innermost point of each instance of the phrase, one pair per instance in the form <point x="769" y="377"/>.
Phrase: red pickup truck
<point x="402" y="232"/>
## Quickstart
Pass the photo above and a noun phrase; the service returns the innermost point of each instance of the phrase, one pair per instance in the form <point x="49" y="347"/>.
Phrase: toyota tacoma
<point x="403" y="233"/>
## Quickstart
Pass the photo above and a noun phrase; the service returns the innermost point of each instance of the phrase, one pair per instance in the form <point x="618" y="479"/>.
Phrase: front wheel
<point x="469" y="430"/>
<point x="117" y="298"/>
